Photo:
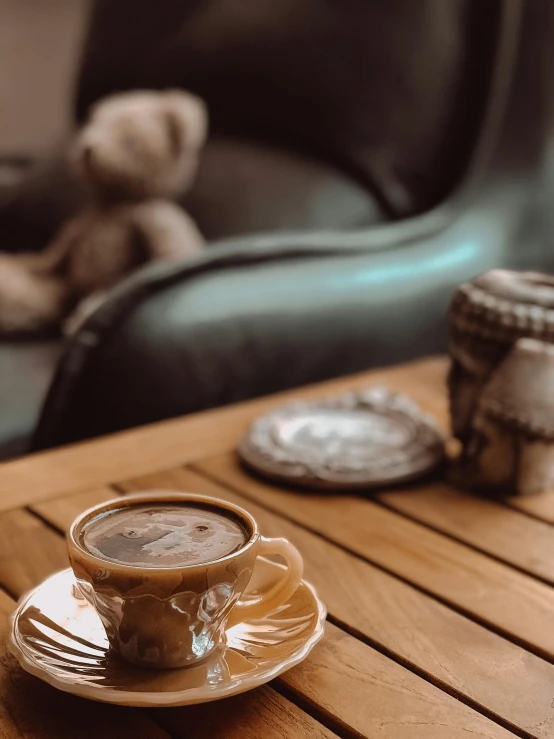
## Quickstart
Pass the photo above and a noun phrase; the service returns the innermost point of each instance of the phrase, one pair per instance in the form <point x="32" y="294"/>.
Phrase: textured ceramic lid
<point x="356" y="440"/>
<point x="503" y="306"/>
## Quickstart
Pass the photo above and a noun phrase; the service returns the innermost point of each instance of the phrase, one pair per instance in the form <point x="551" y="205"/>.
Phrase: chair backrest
<point x="389" y="91"/>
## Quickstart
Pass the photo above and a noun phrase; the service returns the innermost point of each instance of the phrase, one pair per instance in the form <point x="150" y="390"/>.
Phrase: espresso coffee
<point x="163" y="535"/>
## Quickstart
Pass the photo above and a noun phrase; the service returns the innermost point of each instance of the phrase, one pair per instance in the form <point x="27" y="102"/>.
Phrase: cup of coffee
<point x="166" y="571"/>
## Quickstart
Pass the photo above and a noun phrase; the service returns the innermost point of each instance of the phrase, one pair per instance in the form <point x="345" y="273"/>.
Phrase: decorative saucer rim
<point x="186" y="696"/>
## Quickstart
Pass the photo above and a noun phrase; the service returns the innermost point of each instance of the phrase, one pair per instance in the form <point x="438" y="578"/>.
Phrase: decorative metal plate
<point x="359" y="439"/>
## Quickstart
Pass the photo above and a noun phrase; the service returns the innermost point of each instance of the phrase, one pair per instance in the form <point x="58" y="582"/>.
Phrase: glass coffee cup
<point x="166" y="572"/>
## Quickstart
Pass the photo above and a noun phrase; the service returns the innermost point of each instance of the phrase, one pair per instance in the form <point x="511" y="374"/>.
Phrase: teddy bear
<point x="136" y="151"/>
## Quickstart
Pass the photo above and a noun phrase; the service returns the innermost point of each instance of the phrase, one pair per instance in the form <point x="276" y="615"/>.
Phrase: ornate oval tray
<point x="364" y="439"/>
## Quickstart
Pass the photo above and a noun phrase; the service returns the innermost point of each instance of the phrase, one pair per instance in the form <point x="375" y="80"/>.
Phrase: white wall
<point x="40" y="41"/>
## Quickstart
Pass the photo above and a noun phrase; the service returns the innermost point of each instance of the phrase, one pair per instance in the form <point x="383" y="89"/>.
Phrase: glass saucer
<point x="57" y="636"/>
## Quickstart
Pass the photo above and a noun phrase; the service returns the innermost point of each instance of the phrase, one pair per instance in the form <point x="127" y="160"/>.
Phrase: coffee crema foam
<point x="163" y="535"/>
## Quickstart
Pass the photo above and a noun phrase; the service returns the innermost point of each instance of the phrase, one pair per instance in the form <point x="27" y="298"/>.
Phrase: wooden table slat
<point x="6" y="604"/>
<point x="61" y="512"/>
<point x="29" y="551"/>
<point x="421" y="708"/>
<point x="468" y="659"/>
<point x="376" y="697"/>
<point x="539" y="506"/>
<point x="259" y="714"/>
<point x="421" y="582"/>
<point x="496" y="594"/>
<point x="484" y="524"/>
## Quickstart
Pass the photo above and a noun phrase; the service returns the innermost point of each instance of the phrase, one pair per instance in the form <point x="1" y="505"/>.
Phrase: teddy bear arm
<point x="29" y="302"/>
<point x="168" y="232"/>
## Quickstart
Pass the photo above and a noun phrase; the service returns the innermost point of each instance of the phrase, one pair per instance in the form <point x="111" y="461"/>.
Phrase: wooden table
<point x="441" y="605"/>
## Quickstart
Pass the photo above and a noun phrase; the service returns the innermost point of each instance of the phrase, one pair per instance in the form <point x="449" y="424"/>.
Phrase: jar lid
<point x="360" y="439"/>
<point x="503" y="306"/>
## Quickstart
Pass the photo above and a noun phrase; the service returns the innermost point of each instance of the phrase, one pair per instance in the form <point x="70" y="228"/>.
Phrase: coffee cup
<point x="166" y="572"/>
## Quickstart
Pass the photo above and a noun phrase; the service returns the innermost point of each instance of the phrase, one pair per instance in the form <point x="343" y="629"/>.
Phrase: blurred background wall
<point x="39" y="46"/>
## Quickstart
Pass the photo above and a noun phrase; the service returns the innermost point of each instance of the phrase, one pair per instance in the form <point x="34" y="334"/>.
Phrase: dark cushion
<point x="245" y="187"/>
<point x="244" y="321"/>
<point x="25" y="372"/>
<point x="391" y="91"/>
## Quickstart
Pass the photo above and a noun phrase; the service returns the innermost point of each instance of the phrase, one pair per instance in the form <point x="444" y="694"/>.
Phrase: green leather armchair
<point x="364" y="159"/>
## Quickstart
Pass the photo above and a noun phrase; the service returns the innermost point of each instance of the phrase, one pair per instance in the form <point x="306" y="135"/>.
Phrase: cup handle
<point x="278" y="593"/>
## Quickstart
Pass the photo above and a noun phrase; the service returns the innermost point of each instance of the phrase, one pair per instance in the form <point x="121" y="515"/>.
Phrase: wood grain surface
<point x="538" y="506"/>
<point x="6" y="604"/>
<point x="259" y="714"/>
<point x="490" y="591"/>
<point x="426" y="711"/>
<point x="484" y="524"/>
<point x="374" y="696"/>
<point x="440" y="602"/>
<point x="29" y="551"/>
<point x="472" y="662"/>
<point x="61" y="512"/>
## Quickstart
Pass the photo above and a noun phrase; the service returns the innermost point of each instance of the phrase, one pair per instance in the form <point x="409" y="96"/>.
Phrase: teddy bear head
<point x="140" y="145"/>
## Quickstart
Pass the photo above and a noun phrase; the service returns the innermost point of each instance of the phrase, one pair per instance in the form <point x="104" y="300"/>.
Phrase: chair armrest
<point x="260" y="315"/>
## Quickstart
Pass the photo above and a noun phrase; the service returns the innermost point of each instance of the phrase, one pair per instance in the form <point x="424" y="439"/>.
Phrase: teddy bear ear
<point x="187" y="120"/>
<point x="104" y="103"/>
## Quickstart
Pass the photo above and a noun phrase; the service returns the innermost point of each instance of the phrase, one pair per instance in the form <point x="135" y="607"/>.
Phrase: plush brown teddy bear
<point x="136" y="151"/>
